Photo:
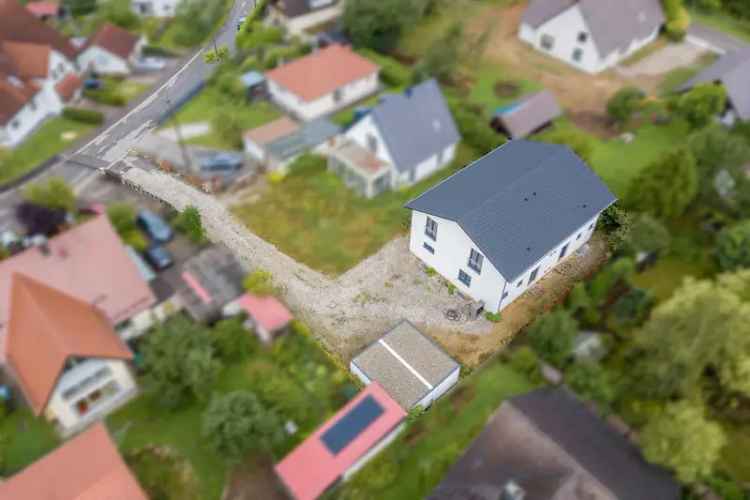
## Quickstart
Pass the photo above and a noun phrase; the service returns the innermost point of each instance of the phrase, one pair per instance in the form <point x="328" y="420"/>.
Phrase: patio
<point x="360" y="170"/>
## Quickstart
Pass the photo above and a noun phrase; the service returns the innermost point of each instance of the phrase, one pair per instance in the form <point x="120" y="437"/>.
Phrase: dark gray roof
<point x="614" y="24"/>
<point x="733" y="71"/>
<point x="529" y="114"/>
<point x="220" y="274"/>
<point x="308" y="136"/>
<point x="519" y="201"/>
<point x="415" y="125"/>
<point x="552" y="446"/>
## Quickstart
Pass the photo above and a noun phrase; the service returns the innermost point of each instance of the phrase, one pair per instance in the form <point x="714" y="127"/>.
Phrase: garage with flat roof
<point x="412" y="368"/>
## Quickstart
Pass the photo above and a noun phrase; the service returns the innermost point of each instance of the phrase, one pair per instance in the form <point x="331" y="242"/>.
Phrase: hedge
<point x="105" y="96"/>
<point x="157" y="51"/>
<point x="84" y="115"/>
<point x="392" y="72"/>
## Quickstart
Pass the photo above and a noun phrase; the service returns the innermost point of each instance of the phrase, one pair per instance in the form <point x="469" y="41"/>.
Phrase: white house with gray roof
<point x="500" y="224"/>
<point x="591" y="35"/>
<point x="400" y="141"/>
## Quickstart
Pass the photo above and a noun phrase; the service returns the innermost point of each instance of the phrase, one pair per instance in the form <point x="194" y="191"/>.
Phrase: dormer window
<point x="583" y="37"/>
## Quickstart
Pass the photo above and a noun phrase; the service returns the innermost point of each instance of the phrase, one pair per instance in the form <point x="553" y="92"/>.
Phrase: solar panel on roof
<point x="352" y="424"/>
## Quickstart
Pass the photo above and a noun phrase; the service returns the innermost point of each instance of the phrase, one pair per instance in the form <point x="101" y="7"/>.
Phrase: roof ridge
<point x="42" y="313"/>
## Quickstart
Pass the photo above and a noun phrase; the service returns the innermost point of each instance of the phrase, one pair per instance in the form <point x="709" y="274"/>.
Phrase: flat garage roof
<point x="406" y="363"/>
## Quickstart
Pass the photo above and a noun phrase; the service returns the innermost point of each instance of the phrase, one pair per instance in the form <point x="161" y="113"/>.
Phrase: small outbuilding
<point x="266" y="315"/>
<point x="408" y="365"/>
<point x="254" y="84"/>
<point x="527" y="116"/>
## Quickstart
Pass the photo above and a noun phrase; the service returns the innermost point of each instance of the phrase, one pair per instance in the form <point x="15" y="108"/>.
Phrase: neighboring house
<point x="38" y="74"/>
<point x="69" y="262"/>
<point x="322" y="82"/>
<point x="70" y="364"/>
<point x="44" y="10"/>
<point x="733" y="71"/>
<point x="500" y="224"/>
<point x="548" y="445"/>
<point x="412" y="135"/>
<point x="111" y="51"/>
<point x="214" y="283"/>
<point x="88" y="467"/>
<point x="277" y="144"/>
<point x="267" y="316"/>
<point x="412" y="368"/>
<point x="155" y="8"/>
<point x="338" y="449"/>
<point x="591" y="35"/>
<point x="298" y="15"/>
<point x="527" y="116"/>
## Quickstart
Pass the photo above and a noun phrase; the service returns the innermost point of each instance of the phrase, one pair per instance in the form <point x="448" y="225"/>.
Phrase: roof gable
<point x="519" y="201"/>
<point x="31" y="59"/>
<point x="46" y="328"/>
<point x="539" y="12"/>
<point x="115" y="40"/>
<point x="415" y="124"/>
<point x="20" y="25"/>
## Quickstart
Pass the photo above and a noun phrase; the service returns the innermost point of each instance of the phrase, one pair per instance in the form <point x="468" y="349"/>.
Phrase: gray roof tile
<point x="308" y="136"/>
<point x="529" y="114"/>
<point x="519" y="201"/>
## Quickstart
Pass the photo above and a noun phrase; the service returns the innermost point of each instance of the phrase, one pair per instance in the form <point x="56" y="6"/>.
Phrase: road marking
<point x="407" y="365"/>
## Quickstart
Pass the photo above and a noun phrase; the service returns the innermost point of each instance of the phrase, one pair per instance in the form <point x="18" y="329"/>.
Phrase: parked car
<point x="156" y="228"/>
<point x="9" y="238"/>
<point x="219" y="162"/>
<point x="159" y="257"/>
<point x="149" y="64"/>
<point x="92" y="84"/>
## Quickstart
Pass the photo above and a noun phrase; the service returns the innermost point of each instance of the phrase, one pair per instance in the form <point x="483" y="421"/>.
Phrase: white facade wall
<point x="309" y="110"/>
<point x="254" y="151"/>
<point x="440" y="389"/>
<point x="102" y="61"/>
<point x="64" y="411"/>
<point x="26" y="119"/>
<point x="565" y="29"/>
<point x="155" y="8"/>
<point x="297" y="25"/>
<point x="360" y="133"/>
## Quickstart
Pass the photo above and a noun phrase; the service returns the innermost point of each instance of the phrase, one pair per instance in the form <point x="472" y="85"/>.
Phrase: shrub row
<point x="84" y="115"/>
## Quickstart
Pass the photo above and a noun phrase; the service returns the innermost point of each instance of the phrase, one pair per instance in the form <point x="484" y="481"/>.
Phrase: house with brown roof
<point x="70" y="364"/>
<point x="88" y="467"/>
<point x="322" y="82"/>
<point x="299" y="15"/>
<point x="38" y="75"/>
<point x="111" y="51"/>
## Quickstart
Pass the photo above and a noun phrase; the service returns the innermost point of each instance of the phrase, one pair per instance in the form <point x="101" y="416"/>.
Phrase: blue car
<point x="155" y="227"/>
<point x="221" y="162"/>
<point x="159" y="257"/>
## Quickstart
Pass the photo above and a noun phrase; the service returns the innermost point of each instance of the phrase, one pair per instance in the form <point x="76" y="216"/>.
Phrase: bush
<point x="392" y="72"/>
<point x="157" y="51"/>
<point x="678" y="19"/>
<point x="552" y="336"/>
<point x="256" y="34"/>
<point x="733" y="246"/>
<point x="701" y="104"/>
<point x="277" y="55"/>
<point x="83" y="115"/>
<point x="590" y="381"/>
<point x="189" y="223"/>
<point x="624" y="103"/>
<point x="633" y="308"/>
<point x="493" y="317"/>
<point x="105" y="96"/>
<point x="473" y="127"/>
<point x="580" y="142"/>
<point x="232" y="340"/>
<point x="54" y="193"/>
<point x="666" y="187"/>
<point x="525" y="361"/>
<point x="259" y="282"/>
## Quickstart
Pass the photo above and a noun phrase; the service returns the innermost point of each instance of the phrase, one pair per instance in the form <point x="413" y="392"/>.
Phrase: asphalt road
<point x="716" y="38"/>
<point x="112" y="144"/>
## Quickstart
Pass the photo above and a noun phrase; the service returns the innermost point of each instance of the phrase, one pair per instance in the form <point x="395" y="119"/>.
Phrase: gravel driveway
<point x="672" y="56"/>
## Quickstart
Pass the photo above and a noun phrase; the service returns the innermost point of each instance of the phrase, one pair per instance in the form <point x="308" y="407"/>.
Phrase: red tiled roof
<point x="196" y="286"/>
<point x="68" y="86"/>
<point x="31" y="59"/>
<point x="311" y="468"/>
<point x="269" y="132"/>
<point x="322" y="72"/>
<point x="19" y="24"/>
<point x="88" y="262"/>
<point x="88" y="467"/>
<point x="267" y="311"/>
<point x="14" y="94"/>
<point x="46" y="328"/>
<point x="43" y="9"/>
<point x="114" y="39"/>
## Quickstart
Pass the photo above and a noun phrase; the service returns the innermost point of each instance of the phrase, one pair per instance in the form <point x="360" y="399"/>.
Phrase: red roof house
<point x="338" y="448"/>
<point x="88" y="467"/>
<point x="43" y="10"/>
<point x="111" y="50"/>
<point x="267" y="315"/>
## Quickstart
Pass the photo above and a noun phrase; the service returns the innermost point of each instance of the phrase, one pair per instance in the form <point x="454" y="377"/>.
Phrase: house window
<point x="14" y="124"/>
<point x="582" y="37"/>
<point x="440" y="157"/>
<point x="372" y="143"/>
<point x="464" y="278"/>
<point x="337" y="95"/>
<point x="577" y="55"/>
<point x="519" y="284"/>
<point x="579" y="236"/>
<point x="32" y="104"/>
<point x="591" y="226"/>
<point x="475" y="261"/>
<point x="548" y="42"/>
<point x="430" y="229"/>
<point x="505" y="294"/>
<point x="563" y="252"/>
<point x="533" y="276"/>
<point x="429" y="248"/>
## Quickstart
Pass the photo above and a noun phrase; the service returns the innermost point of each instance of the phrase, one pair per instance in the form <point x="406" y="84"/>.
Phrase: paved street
<point x="113" y="144"/>
<point x="717" y="40"/>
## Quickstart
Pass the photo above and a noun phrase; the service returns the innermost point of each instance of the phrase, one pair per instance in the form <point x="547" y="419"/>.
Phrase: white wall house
<point x="111" y="51"/>
<point x="155" y="8"/>
<point x="19" y="124"/>
<point x="501" y="224"/>
<point x="591" y="36"/>
<point x="322" y="82"/>
<point x="298" y="15"/>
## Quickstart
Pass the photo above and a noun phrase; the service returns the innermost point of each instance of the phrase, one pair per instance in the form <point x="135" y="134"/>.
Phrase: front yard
<point x="24" y="438"/>
<point x="51" y="138"/>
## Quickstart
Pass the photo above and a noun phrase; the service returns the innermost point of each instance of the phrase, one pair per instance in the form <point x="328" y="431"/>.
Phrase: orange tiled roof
<point x="88" y="467"/>
<point x="269" y="132"/>
<point x="46" y="328"/>
<point x="31" y="59"/>
<point x="322" y="72"/>
<point x="68" y="86"/>
<point x="18" y="24"/>
<point x="114" y="39"/>
<point x="14" y="94"/>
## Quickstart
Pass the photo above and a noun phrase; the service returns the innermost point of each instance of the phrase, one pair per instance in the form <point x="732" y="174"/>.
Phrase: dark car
<point x="156" y="228"/>
<point x="221" y="162"/>
<point x="159" y="257"/>
<point x="92" y="84"/>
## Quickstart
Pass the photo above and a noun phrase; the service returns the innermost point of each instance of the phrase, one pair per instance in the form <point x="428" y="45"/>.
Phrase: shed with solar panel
<point x="412" y="368"/>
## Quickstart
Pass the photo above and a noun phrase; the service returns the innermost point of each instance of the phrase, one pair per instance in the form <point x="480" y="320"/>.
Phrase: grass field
<point x="315" y="219"/>
<point x="483" y="89"/>
<point x="46" y="142"/>
<point x="416" y="461"/>
<point x="24" y="439"/>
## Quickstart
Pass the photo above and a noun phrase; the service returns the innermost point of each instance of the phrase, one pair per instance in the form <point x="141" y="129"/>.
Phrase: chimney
<point x="512" y="491"/>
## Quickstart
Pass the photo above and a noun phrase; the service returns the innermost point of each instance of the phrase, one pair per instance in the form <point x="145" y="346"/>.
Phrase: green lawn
<point x="125" y="87"/>
<point x="418" y="39"/>
<point x="722" y="21"/>
<point x="734" y="456"/>
<point x="346" y="115"/>
<point x="415" y="463"/>
<point x="304" y="381"/>
<point x="483" y="89"/>
<point x="24" y="439"/>
<point x="314" y="218"/>
<point x="211" y="105"/>
<point x="47" y="141"/>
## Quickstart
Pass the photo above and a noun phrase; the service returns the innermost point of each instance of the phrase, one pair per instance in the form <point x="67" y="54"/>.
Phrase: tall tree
<point x="54" y="193"/>
<point x="683" y="439"/>
<point x="701" y="104"/>
<point x="552" y="335"/>
<point x="377" y="24"/>
<point x="733" y="246"/>
<point x="666" y="187"/>
<point x="714" y="149"/>
<point x="443" y="57"/>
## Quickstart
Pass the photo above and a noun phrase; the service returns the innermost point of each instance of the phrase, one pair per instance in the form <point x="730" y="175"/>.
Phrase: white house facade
<point x="27" y="119"/>
<point x="155" y="8"/>
<point x="498" y="226"/>
<point x="111" y="51"/>
<point x="568" y="33"/>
